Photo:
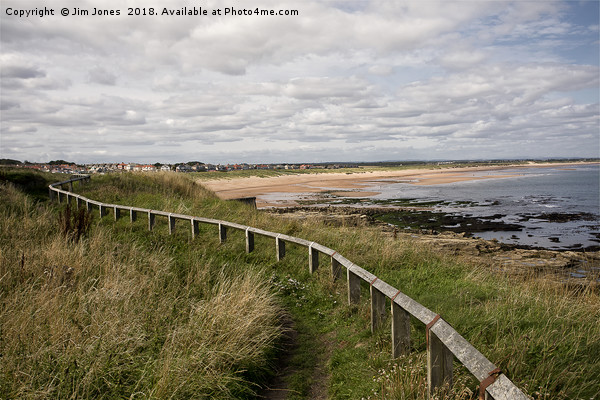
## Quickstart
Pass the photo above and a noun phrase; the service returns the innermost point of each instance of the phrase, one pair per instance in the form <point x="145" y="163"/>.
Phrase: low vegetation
<point x="123" y="313"/>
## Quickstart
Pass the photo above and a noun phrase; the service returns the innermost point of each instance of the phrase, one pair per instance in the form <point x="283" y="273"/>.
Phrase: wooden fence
<point x="443" y="341"/>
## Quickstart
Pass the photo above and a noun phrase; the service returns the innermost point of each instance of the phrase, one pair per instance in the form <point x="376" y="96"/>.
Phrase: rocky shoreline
<point x="582" y="264"/>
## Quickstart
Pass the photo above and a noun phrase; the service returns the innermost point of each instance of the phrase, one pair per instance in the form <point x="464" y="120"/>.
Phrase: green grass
<point x="34" y="183"/>
<point x="543" y="336"/>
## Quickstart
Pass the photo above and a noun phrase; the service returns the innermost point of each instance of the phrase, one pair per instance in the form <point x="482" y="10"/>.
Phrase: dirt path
<point x="320" y="378"/>
<point x="278" y="388"/>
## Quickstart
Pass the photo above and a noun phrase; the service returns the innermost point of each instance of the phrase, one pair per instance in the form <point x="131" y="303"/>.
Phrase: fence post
<point x="195" y="228"/>
<point x="171" y="224"/>
<point x="58" y="197"/>
<point x="313" y="259"/>
<point x="249" y="241"/>
<point x="279" y="248"/>
<point x="70" y="186"/>
<point x="377" y="307"/>
<point x="88" y="205"/>
<point x="52" y="194"/>
<point x="439" y="360"/>
<point x="79" y="202"/>
<point x="353" y="288"/>
<point x="151" y="220"/>
<point x="103" y="210"/>
<point x="400" y="330"/>
<point x="222" y="233"/>
<point x="336" y="269"/>
<point x="117" y="213"/>
<point x="132" y="215"/>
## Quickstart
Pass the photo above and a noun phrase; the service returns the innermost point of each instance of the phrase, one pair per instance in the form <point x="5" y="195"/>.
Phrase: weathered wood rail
<point x="444" y="343"/>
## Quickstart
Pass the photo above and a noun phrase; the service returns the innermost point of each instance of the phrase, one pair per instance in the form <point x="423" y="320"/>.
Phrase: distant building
<point x="183" y="168"/>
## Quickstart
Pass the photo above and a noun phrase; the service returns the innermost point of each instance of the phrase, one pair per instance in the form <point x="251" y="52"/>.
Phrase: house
<point x="183" y="168"/>
<point x="148" y="168"/>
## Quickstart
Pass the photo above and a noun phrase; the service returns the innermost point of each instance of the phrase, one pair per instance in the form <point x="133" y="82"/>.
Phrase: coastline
<point x="353" y="184"/>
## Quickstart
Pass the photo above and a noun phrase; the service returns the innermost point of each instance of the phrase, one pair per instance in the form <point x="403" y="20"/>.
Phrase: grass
<point x="106" y="317"/>
<point x="133" y="307"/>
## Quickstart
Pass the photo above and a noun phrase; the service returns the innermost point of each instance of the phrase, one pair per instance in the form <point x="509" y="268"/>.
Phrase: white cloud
<point x="362" y="80"/>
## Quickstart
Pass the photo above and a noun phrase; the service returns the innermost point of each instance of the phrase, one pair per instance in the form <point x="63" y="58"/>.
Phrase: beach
<point x="349" y="184"/>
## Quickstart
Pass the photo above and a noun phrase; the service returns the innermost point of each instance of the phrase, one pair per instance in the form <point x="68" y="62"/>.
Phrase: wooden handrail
<point x="444" y="341"/>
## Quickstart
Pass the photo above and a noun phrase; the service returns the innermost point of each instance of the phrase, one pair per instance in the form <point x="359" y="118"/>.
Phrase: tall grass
<point x="107" y="318"/>
<point x="151" y="290"/>
<point x="541" y="334"/>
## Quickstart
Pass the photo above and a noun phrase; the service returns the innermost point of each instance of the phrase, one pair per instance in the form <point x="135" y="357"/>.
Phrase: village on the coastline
<point x="62" y="166"/>
<point x="66" y="167"/>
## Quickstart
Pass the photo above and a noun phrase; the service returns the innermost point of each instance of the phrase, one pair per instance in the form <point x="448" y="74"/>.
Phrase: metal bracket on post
<point x="492" y="376"/>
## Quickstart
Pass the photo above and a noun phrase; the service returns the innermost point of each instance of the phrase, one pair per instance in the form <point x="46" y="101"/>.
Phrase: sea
<point x="556" y="207"/>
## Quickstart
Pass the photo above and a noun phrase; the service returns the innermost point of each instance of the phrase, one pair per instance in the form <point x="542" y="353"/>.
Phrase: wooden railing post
<point x="79" y="202"/>
<point x="439" y="361"/>
<point x="132" y="215"/>
<point x="88" y="205"/>
<point x="222" y="233"/>
<point x="52" y="194"/>
<point x="313" y="259"/>
<point x="377" y="307"/>
<point x="171" y="224"/>
<point x="279" y="248"/>
<point x="353" y="288"/>
<point x="103" y="210"/>
<point x="151" y="220"/>
<point x="117" y="213"/>
<point x="195" y="228"/>
<point x="249" y="241"/>
<point x="336" y="269"/>
<point x="400" y="330"/>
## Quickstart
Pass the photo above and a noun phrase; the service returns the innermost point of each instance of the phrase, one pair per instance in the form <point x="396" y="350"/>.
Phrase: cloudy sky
<point x="342" y="80"/>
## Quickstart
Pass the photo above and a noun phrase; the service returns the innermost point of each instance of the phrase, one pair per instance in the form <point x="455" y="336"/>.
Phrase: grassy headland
<point x="127" y="313"/>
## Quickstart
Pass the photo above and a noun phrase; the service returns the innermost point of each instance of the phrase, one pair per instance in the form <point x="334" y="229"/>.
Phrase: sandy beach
<point x="348" y="184"/>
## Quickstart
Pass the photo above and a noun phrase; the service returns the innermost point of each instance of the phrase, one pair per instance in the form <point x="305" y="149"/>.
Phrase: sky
<point x="337" y="80"/>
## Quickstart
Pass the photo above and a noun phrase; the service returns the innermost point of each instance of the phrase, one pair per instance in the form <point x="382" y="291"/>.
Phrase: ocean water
<point x="557" y="207"/>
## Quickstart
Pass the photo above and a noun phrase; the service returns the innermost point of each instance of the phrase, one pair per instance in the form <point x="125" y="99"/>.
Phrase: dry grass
<point x="103" y="318"/>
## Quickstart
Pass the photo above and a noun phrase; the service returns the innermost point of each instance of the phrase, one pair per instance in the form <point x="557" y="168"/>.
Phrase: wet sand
<point x="346" y="184"/>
